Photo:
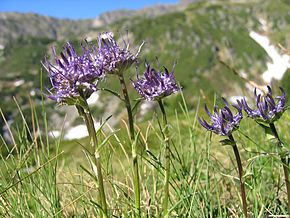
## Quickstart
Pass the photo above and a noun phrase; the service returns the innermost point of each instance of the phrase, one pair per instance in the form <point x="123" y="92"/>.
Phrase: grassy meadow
<point x="45" y="176"/>
<point x="41" y="177"/>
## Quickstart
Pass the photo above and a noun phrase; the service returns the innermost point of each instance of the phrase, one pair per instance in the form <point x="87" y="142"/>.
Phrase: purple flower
<point x="111" y="57"/>
<point x="155" y="85"/>
<point x="268" y="110"/>
<point x="71" y="75"/>
<point x="223" y="122"/>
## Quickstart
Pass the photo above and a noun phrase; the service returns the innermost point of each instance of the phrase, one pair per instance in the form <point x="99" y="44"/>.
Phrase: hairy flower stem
<point x="134" y="152"/>
<point x="167" y="160"/>
<point x="284" y="163"/>
<point x="240" y="169"/>
<point x="96" y="155"/>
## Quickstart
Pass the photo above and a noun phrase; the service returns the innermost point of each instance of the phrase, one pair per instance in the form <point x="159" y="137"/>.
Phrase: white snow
<point x="233" y="99"/>
<point x="261" y="90"/>
<point x="280" y="63"/>
<point x="264" y="24"/>
<point x="145" y="107"/>
<point x="93" y="98"/>
<point x="107" y="35"/>
<point x="243" y="74"/>
<point x="19" y="82"/>
<point x="78" y="132"/>
<point x="32" y="93"/>
<point x="54" y="134"/>
<point x="89" y="39"/>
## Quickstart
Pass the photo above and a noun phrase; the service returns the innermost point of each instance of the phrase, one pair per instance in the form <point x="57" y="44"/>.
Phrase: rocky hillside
<point x="17" y="25"/>
<point x="156" y="10"/>
<point x="196" y="37"/>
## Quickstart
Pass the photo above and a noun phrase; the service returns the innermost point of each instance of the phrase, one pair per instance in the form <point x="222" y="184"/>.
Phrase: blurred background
<point x="222" y="48"/>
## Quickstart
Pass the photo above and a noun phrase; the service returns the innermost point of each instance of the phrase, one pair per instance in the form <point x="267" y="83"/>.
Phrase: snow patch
<point x="264" y="24"/>
<point x="145" y="107"/>
<point x="243" y="74"/>
<point x="54" y="134"/>
<point x="280" y="63"/>
<point x="32" y="93"/>
<point x="19" y="82"/>
<point x="78" y="132"/>
<point x="93" y="98"/>
<point x="233" y="99"/>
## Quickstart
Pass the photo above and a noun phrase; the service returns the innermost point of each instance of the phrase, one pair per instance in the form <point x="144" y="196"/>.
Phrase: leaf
<point x="227" y="142"/>
<point x="248" y="175"/>
<point x="104" y="142"/>
<point x="89" y="173"/>
<point x="77" y="101"/>
<point x="113" y="92"/>
<point x="93" y="167"/>
<point x="268" y="132"/>
<point x="283" y="152"/>
<point x="134" y="108"/>
<point x="103" y="123"/>
<point x="134" y="152"/>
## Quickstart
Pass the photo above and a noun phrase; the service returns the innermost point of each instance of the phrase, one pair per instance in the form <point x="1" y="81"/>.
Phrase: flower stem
<point x="167" y="160"/>
<point x="240" y="169"/>
<point x="285" y="165"/>
<point x="96" y="155"/>
<point x="134" y="151"/>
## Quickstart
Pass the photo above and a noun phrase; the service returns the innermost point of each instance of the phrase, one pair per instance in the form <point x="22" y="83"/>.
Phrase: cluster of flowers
<point x="223" y="122"/>
<point x="73" y="76"/>
<point x="267" y="111"/>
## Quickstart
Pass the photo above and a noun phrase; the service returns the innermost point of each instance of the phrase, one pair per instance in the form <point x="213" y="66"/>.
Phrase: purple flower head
<point x="223" y="122"/>
<point x="71" y="75"/>
<point x="154" y="84"/>
<point x="268" y="110"/>
<point x="111" y="57"/>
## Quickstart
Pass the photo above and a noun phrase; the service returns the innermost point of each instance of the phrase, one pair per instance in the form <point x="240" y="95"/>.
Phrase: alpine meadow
<point x="172" y="110"/>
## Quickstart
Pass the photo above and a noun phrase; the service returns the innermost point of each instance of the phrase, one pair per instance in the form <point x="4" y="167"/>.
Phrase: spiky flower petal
<point x="154" y="84"/>
<point x="267" y="109"/>
<point x="223" y="122"/>
<point x="111" y="57"/>
<point x="71" y="75"/>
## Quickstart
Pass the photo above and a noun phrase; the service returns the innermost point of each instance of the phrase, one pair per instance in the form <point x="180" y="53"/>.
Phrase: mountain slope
<point x="194" y="37"/>
<point x="16" y="25"/>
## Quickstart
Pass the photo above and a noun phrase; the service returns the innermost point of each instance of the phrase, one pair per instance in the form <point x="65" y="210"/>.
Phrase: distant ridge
<point x="152" y="11"/>
<point x="15" y="25"/>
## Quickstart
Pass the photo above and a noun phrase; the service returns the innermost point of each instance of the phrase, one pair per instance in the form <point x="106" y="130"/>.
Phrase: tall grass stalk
<point x="284" y="164"/>
<point x="167" y="159"/>
<point x="132" y="137"/>
<point x="95" y="153"/>
<point x="240" y="170"/>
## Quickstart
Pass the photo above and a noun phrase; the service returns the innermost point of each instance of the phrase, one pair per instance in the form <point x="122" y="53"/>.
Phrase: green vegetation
<point x="196" y="38"/>
<point x="44" y="177"/>
<point x="50" y="180"/>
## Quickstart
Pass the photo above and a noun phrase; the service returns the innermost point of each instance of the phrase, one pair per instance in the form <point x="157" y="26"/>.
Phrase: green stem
<point x="167" y="160"/>
<point x="285" y="165"/>
<point x="134" y="152"/>
<point x="240" y="169"/>
<point x="96" y="155"/>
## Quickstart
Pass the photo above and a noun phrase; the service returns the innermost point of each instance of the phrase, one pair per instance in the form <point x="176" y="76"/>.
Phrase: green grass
<point x="190" y="37"/>
<point x="47" y="177"/>
<point x="44" y="178"/>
